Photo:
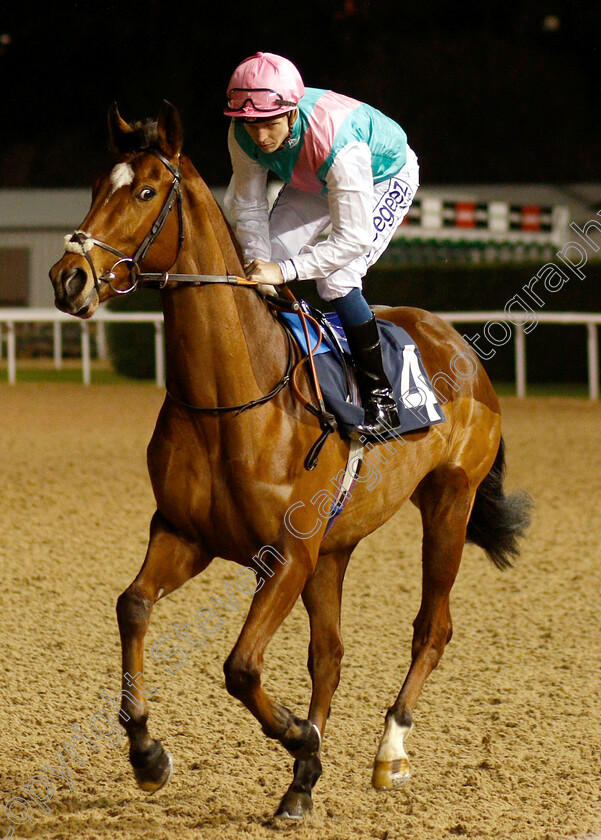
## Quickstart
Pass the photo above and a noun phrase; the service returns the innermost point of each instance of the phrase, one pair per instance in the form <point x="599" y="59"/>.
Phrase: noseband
<point x="81" y="242"/>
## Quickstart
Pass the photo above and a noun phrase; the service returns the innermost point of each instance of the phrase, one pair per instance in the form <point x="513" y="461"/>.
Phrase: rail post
<point x="593" y="361"/>
<point x="57" y="345"/>
<point x="520" y="361"/>
<point x="85" y="352"/>
<point x="159" y="356"/>
<point x="11" y="352"/>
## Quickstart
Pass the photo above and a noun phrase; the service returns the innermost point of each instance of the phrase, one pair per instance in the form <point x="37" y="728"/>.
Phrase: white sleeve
<point x="246" y="202"/>
<point x="350" y="199"/>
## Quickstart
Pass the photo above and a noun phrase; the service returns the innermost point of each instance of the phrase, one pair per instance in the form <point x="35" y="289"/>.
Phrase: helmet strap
<point x="292" y="117"/>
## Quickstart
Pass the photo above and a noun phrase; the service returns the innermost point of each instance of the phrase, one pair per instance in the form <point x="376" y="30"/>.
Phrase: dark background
<point x="493" y="92"/>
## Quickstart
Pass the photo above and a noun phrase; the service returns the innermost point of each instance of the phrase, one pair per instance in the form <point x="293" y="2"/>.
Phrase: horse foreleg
<point x="322" y="597"/>
<point x="445" y="503"/>
<point x="169" y="563"/>
<point x="270" y="606"/>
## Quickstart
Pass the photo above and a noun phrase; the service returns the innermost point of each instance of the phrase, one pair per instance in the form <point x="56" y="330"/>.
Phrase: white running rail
<point x="10" y="317"/>
<point x="590" y="320"/>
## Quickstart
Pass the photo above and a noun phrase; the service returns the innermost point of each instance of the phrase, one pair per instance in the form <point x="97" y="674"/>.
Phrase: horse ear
<point x="170" y="130"/>
<point x="118" y="130"/>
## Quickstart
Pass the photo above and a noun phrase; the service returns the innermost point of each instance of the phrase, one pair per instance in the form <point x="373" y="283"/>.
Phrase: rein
<point x="81" y="242"/>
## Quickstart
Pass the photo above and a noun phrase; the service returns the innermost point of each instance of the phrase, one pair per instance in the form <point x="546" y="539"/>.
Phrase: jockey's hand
<point x="264" y="272"/>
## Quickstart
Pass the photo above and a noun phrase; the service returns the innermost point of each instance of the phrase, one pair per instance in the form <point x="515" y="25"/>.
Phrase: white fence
<point x="10" y="317"/>
<point x="591" y="321"/>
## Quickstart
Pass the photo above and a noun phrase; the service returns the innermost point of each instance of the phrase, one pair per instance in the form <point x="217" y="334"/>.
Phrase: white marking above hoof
<point x="391" y="767"/>
<point x="316" y="728"/>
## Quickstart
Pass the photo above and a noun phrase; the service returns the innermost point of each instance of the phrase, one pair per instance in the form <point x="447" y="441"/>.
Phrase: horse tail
<point x="498" y="521"/>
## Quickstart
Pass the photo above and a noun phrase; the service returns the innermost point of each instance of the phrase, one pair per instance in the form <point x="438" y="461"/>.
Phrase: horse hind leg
<point x="445" y="501"/>
<point x="169" y="563"/>
<point x="322" y="598"/>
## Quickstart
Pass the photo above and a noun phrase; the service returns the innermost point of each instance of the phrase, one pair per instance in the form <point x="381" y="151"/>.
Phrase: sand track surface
<point x="507" y="741"/>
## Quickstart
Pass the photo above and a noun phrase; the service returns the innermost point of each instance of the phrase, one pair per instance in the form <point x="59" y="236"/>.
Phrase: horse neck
<point x="216" y="335"/>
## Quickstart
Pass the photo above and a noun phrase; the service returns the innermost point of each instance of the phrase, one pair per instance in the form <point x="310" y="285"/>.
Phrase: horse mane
<point x="143" y="135"/>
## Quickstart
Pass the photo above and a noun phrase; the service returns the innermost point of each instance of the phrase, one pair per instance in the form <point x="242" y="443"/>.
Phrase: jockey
<point x="343" y="164"/>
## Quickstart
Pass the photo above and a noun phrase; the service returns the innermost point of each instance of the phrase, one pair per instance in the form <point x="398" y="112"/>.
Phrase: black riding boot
<point x="380" y="407"/>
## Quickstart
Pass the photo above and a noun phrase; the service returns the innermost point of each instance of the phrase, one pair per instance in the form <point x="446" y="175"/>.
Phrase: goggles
<point x="261" y="99"/>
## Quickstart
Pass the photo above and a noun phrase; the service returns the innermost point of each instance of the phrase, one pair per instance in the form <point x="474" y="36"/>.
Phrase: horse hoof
<point x="389" y="775"/>
<point x="294" y="806"/>
<point x="154" y="777"/>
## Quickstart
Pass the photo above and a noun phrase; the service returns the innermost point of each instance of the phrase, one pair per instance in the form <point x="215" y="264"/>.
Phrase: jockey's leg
<point x="392" y="199"/>
<point x="377" y="397"/>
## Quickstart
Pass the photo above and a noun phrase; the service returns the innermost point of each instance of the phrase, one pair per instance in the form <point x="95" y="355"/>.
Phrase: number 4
<point x="419" y="393"/>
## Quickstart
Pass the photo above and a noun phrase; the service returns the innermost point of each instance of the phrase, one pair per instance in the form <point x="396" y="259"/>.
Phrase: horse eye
<point x="146" y="194"/>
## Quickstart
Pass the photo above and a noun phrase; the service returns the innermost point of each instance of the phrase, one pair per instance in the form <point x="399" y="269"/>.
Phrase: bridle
<point x="82" y="242"/>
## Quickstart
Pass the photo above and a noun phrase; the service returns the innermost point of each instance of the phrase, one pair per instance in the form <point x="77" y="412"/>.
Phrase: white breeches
<point x="298" y="219"/>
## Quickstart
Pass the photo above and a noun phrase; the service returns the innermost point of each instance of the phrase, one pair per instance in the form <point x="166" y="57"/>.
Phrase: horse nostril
<point x="74" y="281"/>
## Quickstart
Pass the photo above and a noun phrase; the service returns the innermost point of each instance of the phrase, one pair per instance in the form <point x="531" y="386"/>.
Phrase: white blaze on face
<point x="121" y="175"/>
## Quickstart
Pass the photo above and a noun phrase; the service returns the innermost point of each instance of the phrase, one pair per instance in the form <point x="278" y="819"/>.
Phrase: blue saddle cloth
<point x="416" y="400"/>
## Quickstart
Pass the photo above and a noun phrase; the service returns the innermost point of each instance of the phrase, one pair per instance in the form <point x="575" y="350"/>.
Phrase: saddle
<point x="321" y="338"/>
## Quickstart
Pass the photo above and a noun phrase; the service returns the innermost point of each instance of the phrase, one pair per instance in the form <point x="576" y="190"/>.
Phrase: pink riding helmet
<point x="264" y="85"/>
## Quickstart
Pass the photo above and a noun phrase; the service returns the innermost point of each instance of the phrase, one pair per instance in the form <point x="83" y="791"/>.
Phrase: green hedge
<point x="463" y="288"/>
<point x="131" y="346"/>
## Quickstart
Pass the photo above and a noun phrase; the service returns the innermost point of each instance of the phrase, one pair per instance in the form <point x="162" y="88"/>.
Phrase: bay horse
<point x="226" y="457"/>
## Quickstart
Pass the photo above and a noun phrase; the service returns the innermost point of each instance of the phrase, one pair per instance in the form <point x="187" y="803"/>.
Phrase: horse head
<point x="130" y="216"/>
